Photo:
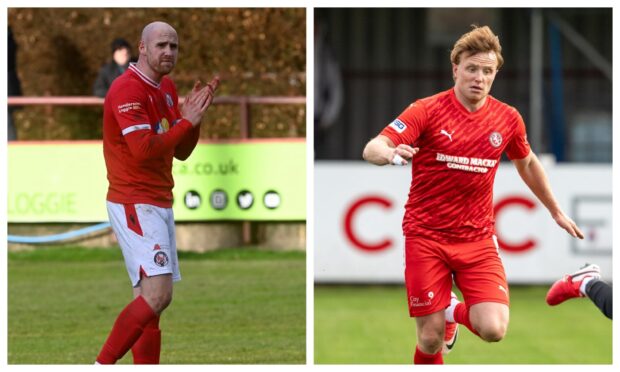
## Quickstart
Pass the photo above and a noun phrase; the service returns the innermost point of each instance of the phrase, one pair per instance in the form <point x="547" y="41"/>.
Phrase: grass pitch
<point x="371" y="325"/>
<point x="233" y="306"/>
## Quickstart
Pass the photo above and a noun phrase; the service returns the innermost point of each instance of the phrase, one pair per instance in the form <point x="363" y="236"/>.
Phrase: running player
<point x="143" y="129"/>
<point x="454" y="141"/>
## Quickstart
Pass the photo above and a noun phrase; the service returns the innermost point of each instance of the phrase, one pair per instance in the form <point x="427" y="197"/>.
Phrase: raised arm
<point x="129" y="108"/>
<point x="534" y="176"/>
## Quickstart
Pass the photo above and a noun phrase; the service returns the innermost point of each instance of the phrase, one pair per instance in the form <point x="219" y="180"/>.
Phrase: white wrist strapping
<point x="398" y="160"/>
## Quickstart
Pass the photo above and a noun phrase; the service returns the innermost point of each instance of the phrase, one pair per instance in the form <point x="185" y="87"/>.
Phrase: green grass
<point x="233" y="306"/>
<point x="371" y="325"/>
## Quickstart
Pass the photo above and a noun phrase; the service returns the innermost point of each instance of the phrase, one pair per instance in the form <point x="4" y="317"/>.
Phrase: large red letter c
<point x="348" y="223"/>
<point x="504" y="203"/>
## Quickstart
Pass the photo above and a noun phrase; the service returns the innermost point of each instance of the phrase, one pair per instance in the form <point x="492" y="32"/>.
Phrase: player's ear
<point x="142" y="47"/>
<point x="454" y="68"/>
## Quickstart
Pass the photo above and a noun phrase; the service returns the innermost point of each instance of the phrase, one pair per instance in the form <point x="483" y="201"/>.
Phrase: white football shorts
<point x="146" y="236"/>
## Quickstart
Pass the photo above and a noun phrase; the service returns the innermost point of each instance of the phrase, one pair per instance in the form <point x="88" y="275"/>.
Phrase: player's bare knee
<point x="430" y="341"/>
<point x="164" y="300"/>
<point x="430" y="345"/>
<point x="493" y="333"/>
<point x="158" y="301"/>
<point x="160" y="304"/>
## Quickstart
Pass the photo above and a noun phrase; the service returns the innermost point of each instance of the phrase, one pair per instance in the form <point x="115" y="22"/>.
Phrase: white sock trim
<point x="584" y="283"/>
<point x="450" y="310"/>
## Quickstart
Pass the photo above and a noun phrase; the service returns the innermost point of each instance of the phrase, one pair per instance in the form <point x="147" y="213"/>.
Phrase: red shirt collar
<point x="133" y="67"/>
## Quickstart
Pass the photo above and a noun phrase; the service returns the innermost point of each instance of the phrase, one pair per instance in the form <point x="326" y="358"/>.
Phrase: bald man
<point x="143" y="130"/>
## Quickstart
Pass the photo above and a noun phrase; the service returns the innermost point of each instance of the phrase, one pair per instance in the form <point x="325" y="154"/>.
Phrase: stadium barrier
<point x="244" y="103"/>
<point x="359" y="207"/>
<point x="232" y="181"/>
<point x="197" y="234"/>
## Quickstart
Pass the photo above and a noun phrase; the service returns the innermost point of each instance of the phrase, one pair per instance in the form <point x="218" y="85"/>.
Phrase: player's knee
<point x="430" y="341"/>
<point x="159" y="302"/>
<point x="493" y="332"/>
<point x="165" y="300"/>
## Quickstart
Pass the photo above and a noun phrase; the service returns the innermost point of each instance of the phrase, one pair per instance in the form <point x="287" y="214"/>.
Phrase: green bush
<point x="256" y="52"/>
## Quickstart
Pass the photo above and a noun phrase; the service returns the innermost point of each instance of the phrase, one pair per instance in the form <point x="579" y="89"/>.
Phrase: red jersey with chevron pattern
<point x="451" y="194"/>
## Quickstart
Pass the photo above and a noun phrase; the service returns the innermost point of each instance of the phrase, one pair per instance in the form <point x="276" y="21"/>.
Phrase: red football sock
<point x="422" y="358"/>
<point x="127" y="329"/>
<point x="461" y="316"/>
<point x="146" y="349"/>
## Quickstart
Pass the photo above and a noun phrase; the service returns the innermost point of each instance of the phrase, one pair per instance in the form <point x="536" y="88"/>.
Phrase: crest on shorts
<point x="160" y="259"/>
<point x="169" y="100"/>
<point x="496" y="139"/>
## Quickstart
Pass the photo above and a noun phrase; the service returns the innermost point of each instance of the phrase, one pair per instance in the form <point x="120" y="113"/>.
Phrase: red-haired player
<point x="454" y="141"/>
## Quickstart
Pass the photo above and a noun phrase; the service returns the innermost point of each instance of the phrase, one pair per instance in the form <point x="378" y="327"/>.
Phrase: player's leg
<point x="147" y="349"/>
<point x="584" y="282"/>
<point x="479" y="274"/>
<point x="142" y="235"/>
<point x="429" y="282"/>
<point x="430" y="332"/>
<point x="490" y="320"/>
<point x="452" y="326"/>
<point x="487" y="320"/>
<point x="127" y="328"/>
<point x="157" y="291"/>
<point x="601" y="294"/>
<point x="572" y="285"/>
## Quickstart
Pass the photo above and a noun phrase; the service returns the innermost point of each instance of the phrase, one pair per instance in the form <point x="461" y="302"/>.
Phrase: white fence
<point x="359" y="209"/>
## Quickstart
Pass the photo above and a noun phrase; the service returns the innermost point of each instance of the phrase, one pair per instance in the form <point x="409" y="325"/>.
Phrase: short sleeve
<point x="408" y="126"/>
<point x="518" y="147"/>
<point x="128" y="107"/>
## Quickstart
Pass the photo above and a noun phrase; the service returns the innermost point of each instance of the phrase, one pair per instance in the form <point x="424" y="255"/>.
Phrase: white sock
<point x="584" y="283"/>
<point x="450" y="309"/>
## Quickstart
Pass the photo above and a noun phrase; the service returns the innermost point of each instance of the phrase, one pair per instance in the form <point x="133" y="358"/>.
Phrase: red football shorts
<point x="429" y="267"/>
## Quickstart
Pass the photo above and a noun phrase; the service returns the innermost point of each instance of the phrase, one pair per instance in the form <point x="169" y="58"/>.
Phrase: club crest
<point x="160" y="259"/>
<point x="496" y="139"/>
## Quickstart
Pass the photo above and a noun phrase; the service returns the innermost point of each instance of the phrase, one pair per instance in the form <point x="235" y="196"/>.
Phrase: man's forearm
<point x="536" y="179"/>
<point x="534" y="176"/>
<point x="378" y="152"/>
<point x="186" y="146"/>
<point x="145" y="145"/>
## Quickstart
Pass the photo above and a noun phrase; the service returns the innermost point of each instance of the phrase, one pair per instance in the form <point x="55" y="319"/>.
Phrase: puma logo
<point x="449" y="135"/>
<point x="501" y="287"/>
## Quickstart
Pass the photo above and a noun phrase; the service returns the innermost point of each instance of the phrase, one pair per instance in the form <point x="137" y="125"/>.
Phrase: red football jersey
<point x="451" y="194"/>
<point x="142" y="131"/>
